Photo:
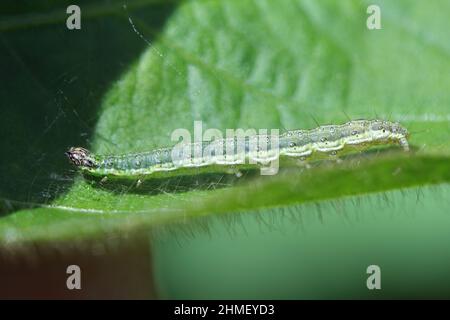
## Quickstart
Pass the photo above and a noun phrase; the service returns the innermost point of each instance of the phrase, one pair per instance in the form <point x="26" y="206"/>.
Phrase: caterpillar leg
<point x="404" y="143"/>
<point x="234" y="170"/>
<point x="303" y="162"/>
<point x="334" y="156"/>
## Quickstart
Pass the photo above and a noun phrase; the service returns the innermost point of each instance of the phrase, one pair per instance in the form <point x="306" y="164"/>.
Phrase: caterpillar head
<point x="81" y="157"/>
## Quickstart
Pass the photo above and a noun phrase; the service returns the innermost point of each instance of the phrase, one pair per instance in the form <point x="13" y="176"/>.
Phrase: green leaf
<point x="263" y="64"/>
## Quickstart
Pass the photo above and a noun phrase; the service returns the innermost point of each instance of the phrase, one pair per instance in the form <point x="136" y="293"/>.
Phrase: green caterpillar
<point x="328" y="139"/>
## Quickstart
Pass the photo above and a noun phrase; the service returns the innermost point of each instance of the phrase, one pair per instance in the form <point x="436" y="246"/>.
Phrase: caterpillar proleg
<point x="328" y="139"/>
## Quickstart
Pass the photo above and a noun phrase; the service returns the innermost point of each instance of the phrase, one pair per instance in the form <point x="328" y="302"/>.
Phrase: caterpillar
<point x="327" y="139"/>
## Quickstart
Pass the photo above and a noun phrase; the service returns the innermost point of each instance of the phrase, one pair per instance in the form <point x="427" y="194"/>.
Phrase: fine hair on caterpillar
<point x="243" y="151"/>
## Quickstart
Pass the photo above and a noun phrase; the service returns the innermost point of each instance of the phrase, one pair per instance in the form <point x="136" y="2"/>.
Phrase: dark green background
<point x="289" y="257"/>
